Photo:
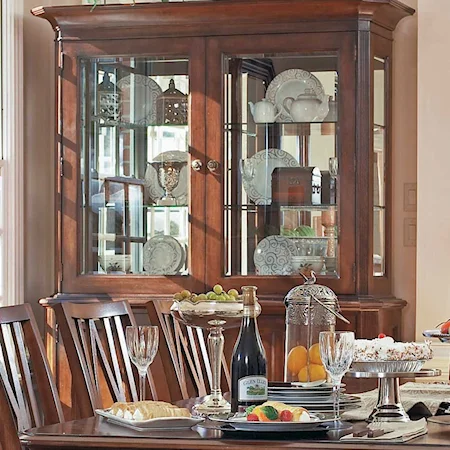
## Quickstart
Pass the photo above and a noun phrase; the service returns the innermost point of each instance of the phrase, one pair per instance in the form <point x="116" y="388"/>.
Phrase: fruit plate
<point x="241" y="424"/>
<point x="443" y="337"/>
<point x="155" y="424"/>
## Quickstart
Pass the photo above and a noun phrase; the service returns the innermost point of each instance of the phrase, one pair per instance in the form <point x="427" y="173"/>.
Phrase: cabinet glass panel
<point x="379" y="170"/>
<point x="281" y="164"/>
<point x="133" y="166"/>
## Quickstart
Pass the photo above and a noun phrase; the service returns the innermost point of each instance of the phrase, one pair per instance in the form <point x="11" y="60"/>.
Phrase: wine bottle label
<point x="253" y="387"/>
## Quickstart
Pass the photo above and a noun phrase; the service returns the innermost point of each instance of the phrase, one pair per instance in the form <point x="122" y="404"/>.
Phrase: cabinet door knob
<point x="212" y="165"/>
<point x="197" y="165"/>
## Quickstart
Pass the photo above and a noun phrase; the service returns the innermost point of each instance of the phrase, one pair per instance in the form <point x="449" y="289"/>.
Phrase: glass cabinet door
<point x="283" y="164"/>
<point x="134" y="165"/>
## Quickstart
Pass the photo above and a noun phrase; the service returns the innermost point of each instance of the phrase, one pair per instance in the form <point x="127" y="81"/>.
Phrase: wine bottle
<point x="248" y="363"/>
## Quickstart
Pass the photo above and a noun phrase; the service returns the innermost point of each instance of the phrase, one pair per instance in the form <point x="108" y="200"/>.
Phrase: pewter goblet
<point x="168" y="173"/>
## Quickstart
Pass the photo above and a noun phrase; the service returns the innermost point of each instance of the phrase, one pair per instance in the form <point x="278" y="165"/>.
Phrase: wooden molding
<point x="13" y="149"/>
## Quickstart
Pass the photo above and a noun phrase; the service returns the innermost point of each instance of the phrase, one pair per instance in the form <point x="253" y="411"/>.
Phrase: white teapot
<point x="264" y="111"/>
<point x="305" y="108"/>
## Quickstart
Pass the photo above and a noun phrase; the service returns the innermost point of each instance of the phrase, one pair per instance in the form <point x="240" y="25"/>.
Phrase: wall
<point x="433" y="215"/>
<point x="405" y="164"/>
<point x="39" y="161"/>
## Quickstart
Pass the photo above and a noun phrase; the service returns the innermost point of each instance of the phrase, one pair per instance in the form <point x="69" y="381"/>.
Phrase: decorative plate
<point x="257" y="173"/>
<point x="241" y="423"/>
<point x="292" y="83"/>
<point x="161" y="423"/>
<point x="146" y="91"/>
<point x="163" y="255"/>
<point x="154" y="189"/>
<point x="273" y="256"/>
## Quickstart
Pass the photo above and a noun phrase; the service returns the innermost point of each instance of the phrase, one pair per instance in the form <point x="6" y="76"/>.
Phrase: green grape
<point x="202" y="297"/>
<point x="234" y="293"/>
<point x="185" y="293"/>
<point x="221" y="298"/>
<point x="218" y="289"/>
<point x="210" y="295"/>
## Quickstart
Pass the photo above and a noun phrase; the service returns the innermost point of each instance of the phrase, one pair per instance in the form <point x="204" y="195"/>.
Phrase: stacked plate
<point x="313" y="398"/>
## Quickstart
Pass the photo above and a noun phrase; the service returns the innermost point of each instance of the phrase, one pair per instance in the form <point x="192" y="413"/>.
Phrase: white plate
<point x="309" y="383"/>
<point x="163" y="255"/>
<point x="257" y="173"/>
<point x="292" y="83"/>
<point x="163" y="422"/>
<point x="296" y="386"/>
<point x="242" y="425"/>
<point x="305" y="402"/>
<point x="155" y="191"/>
<point x="273" y="256"/>
<point x="145" y="91"/>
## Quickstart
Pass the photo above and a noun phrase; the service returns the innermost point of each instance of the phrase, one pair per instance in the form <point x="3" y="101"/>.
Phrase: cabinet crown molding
<point x="217" y="17"/>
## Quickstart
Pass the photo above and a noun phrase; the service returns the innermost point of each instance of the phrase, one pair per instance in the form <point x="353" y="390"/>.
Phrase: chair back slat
<point x="99" y="361"/>
<point x="28" y="394"/>
<point x="126" y="361"/>
<point x="186" y="350"/>
<point x="196" y="361"/>
<point x="26" y="373"/>
<point x="171" y="340"/>
<point x="205" y="355"/>
<point x="115" y="360"/>
<point x="24" y="418"/>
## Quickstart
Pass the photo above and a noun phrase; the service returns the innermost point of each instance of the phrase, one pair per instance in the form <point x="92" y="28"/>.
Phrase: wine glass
<point x="336" y="351"/>
<point x="142" y="345"/>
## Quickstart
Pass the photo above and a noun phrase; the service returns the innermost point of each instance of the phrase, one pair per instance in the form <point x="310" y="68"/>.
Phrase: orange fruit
<point x="316" y="373"/>
<point x="314" y="354"/>
<point x="297" y="358"/>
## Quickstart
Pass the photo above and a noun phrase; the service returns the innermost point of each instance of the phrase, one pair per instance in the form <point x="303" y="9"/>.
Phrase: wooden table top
<point x="97" y="433"/>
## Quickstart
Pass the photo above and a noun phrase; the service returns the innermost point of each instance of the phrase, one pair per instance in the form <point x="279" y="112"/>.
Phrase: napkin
<point x="425" y="397"/>
<point x="395" y="432"/>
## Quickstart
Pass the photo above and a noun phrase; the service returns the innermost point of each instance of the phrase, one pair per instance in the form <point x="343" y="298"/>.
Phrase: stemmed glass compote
<point x="336" y="352"/>
<point x="142" y="345"/>
<point x="214" y="316"/>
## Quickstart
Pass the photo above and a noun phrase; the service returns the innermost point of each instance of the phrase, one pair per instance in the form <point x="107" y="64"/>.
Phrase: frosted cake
<point x="386" y="355"/>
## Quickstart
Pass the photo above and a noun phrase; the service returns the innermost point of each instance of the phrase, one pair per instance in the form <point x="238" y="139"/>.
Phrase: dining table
<point x="99" y="433"/>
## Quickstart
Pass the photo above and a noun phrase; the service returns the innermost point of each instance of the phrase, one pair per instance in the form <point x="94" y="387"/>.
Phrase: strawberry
<point x="286" y="416"/>
<point x="445" y="327"/>
<point x="252" y="418"/>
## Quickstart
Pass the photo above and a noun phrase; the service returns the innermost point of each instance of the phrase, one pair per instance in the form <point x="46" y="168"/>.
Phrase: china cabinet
<point x="232" y="142"/>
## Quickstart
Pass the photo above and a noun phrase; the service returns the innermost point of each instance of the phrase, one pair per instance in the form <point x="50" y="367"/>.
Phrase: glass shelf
<point x="106" y="123"/>
<point x="112" y="205"/>
<point x="255" y="208"/>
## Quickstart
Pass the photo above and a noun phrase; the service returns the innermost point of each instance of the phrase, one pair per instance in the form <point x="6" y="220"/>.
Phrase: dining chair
<point x="93" y="335"/>
<point x="185" y="354"/>
<point x="28" y="394"/>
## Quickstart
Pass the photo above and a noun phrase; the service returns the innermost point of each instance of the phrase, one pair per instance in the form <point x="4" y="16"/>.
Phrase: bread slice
<point x="147" y="410"/>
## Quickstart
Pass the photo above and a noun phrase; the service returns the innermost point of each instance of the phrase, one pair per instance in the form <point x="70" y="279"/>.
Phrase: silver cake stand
<point x="389" y="406"/>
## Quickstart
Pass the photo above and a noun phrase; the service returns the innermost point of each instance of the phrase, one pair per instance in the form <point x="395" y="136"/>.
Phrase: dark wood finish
<point x="28" y="395"/>
<point x="354" y="31"/>
<point x="70" y="212"/>
<point x="323" y="43"/>
<point x="99" y="434"/>
<point x="94" y="341"/>
<point x="367" y="318"/>
<point x="351" y="29"/>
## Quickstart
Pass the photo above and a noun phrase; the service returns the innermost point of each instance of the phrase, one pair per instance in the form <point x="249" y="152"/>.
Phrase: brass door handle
<point x="212" y="165"/>
<point x="197" y="165"/>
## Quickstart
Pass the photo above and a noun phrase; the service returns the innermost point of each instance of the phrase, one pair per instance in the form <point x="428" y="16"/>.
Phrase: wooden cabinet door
<point x="132" y="211"/>
<point x="254" y="228"/>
